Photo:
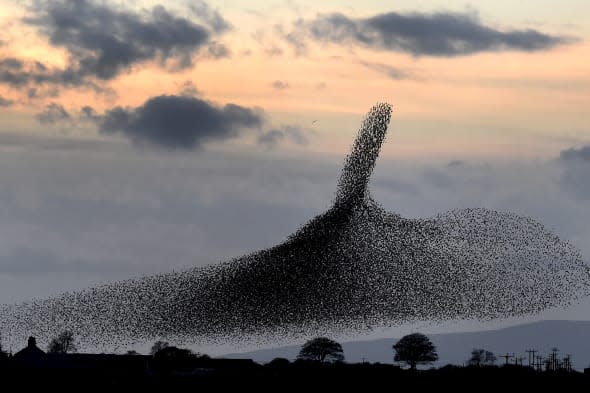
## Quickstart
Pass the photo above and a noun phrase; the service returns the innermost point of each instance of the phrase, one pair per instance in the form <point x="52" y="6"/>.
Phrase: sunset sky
<point x="497" y="79"/>
<point x="140" y="137"/>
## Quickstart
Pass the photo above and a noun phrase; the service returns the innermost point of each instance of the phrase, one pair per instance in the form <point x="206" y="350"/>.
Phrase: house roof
<point x="30" y="352"/>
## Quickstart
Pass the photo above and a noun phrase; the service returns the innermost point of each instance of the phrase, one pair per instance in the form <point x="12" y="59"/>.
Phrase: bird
<point x="354" y="268"/>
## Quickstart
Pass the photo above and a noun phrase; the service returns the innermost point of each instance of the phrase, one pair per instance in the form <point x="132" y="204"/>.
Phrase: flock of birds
<point x="351" y="269"/>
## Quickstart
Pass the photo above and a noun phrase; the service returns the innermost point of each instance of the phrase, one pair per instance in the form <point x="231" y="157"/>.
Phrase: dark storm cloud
<point x="104" y="41"/>
<point x="179" y="122"/>
<point x="439" y="34"/>
<point x="5" y="102"/>
<point x="53" y="114"/>
<point x="274" y="137"/>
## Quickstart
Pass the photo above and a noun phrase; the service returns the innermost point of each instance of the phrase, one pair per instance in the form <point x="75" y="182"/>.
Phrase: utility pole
<point x="506" y="357"/>
<point x="567" y="363"/>
<point x="539" y="363"/>
<point x="531" y="353"/>
<point x="554" y="362"/>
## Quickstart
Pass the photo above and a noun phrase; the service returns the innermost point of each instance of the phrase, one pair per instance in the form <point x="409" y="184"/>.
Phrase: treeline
<point x="411" y="350"/>
<point x="320" y="359"/>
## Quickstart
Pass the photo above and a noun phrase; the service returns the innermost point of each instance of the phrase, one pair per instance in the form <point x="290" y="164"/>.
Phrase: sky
<point x="139" y="137"/>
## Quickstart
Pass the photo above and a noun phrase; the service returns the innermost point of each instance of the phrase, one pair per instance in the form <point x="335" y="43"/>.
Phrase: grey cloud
<point x="18" y="74"/>
<point x="41" y="92"/>
<point x="5" y="102"/>
<point x="437" y="178"/>
<point x="11" y="63"/>
<point x="53" y="113"/>
<point x="32" y="92"/>
<point x="397" y="186"/>
<point x="274" y="137"/>
<point x="267" y="42"/>
<point x="271" y="138"/>
<point x="211" y="17"/>
<point x="13" y="72"/>
<point x="188" y="88"/>
<point x="296" y="134"/>
<point x="391" y="71"/>
<point x="87" y="113"/>
<point x="455" y="164"/>
<point x="575" y="163"/>
<point x="273" y="51"/>
<point x="296" y="37"/>
<point x="53" y="143"/>
<point x="217" y="50"/>
<point x="420" y="34"/>
<point x="167" y="121"/>
<point x="103" y="41"/>
<point x="573" y="154"/>
<point x="280" y="85"/>
<point x="179" y="122"/>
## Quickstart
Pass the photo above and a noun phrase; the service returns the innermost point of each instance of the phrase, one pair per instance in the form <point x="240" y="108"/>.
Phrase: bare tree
<point x="63" y="343"/>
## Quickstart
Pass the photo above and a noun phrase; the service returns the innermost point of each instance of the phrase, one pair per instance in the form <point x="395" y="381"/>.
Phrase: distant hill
<point x="570" y="337"/>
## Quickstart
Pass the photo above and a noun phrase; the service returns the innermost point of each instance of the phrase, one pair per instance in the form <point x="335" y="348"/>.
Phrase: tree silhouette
<point x="170" y="352"/>
<point x="63" y="343"/>
<point x="170" y="358"/>
<point x="321" y="349"/>
<point x="279" y="363"/>
<point x="481" y="357"/>
<point x="158" y="346"/>
<point x="415" y="349"/>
